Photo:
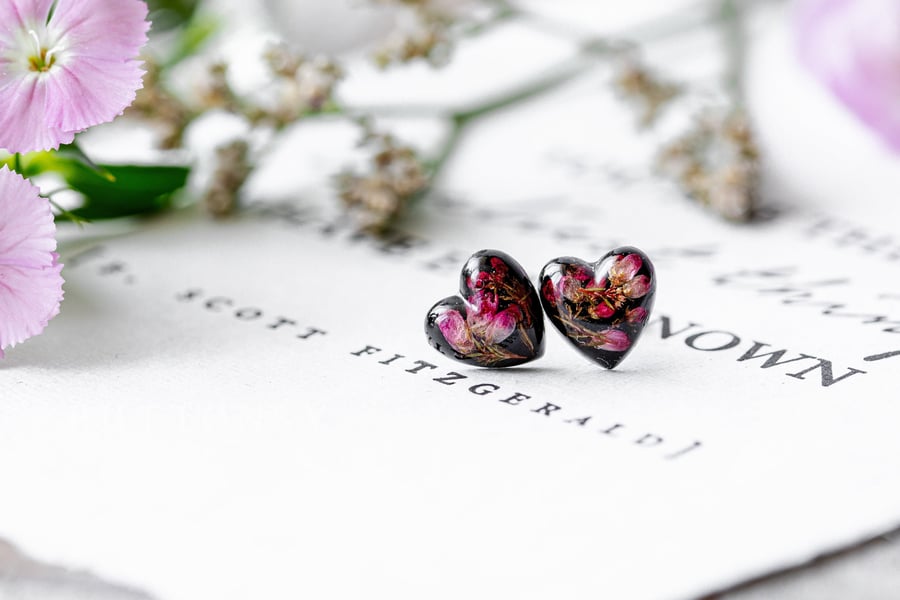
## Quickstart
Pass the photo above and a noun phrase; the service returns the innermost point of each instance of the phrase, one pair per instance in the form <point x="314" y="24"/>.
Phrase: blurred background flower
<point x="853" y="47"/>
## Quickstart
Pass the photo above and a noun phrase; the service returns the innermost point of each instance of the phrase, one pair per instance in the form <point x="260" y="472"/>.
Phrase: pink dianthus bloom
<point x="853" y="46"/>
<point x="66" y="65"/>
<point x="30" y="280"/>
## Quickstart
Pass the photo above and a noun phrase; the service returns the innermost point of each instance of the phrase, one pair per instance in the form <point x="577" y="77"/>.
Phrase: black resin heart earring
<point x="495" y="321"/>
<point x="601" y="308"/>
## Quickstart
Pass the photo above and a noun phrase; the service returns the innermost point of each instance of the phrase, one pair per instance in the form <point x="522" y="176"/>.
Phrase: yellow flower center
<point x="42" y="62"/>
<point x="43" y="59"/>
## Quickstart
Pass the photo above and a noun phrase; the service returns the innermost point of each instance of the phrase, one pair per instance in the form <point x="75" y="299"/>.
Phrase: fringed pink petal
<point x="92" y="77"/>
<point x="30" y="279"/>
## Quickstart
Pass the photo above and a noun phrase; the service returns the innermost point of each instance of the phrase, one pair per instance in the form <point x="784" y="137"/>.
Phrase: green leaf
<point x="135" y="190"/>
<point x="192" y="38"/>
<point x="168" y="14"/>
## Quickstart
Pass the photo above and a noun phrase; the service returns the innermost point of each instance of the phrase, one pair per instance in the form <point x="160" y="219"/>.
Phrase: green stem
<point x="505" y="12"/>
<point x="461" y="120"/>
<point x="17" y="163"/>
<point x="736" y="44"/>
<point x="655" y="30"/>
<point x="437" y="165"/>
<point x="560" y="75"/>
<point x="64" y="213"/>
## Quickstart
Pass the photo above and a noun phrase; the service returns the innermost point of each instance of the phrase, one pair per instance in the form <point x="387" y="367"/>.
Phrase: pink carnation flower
<point x="853" y="46"/>
<point x="30" y="280"/>
<point x="66" y="65"/>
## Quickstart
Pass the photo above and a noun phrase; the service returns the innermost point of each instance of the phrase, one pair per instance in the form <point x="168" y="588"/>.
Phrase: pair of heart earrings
<point x="496" y="319"/>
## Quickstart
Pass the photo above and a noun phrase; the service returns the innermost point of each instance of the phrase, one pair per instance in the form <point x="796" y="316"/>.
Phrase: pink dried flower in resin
<point x="484" y="325"/>
<point x="495" y="321"/>
<point x="613" y="340"/>
<point x="601" y="308"/>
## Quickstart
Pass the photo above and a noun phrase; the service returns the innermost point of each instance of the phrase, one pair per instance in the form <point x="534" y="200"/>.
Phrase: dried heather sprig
<point x="232" y="169"/>
<point x="429" y="38"/>
<point x="154" y="103"/>
<point x="644" y="90"/>
<point x="379" y="197"/>
<point x="307" y="85"/>
<point x="716" y="162"/>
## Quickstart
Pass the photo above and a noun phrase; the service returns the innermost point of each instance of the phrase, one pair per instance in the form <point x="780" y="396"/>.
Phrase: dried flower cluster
<point x="646" y="91"/>
<point x="307" y="85"/>
<point x="497" y="307"/>
<point x="717" y="163"/>
<point x="379" y="197"/>
<point x="154" y="103"/>
<point x="232" y="169"/>
<point x="302" y="87"/>
<point x="429" y="38"/>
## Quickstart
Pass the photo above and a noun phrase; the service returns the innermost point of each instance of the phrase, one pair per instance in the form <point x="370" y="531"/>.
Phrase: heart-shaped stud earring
<point x="600" y="308"/>
<point x="496" y="321"/>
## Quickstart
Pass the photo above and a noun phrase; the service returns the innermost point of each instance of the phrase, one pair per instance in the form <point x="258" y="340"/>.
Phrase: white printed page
<point x="249" y="408"/>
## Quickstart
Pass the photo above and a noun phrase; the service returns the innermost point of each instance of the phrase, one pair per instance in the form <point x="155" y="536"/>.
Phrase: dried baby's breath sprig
<point x="232" y="169"/>
<point x="303" y="87"/>
<point x="307" y="84"/>
<point x="219" y="93"/>
<point x="429" y="42"/>
<point x="380" y="197"/>
<point x="154" y="103"/>
<point x="429" y="37"/>
<point x="644" y="90"/>
<point x="716" y="162"/>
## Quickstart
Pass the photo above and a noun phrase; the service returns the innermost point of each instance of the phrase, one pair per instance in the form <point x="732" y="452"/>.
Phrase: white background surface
<point x="194" y="455"/>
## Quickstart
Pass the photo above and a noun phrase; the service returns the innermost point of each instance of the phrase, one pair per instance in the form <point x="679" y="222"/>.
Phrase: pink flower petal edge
<point x="90" y="76"/>
<point x="853" y="47"/>
<point x="30" y="280"/>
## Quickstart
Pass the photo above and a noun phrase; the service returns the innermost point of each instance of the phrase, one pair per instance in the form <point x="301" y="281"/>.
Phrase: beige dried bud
<point x="219" y="93"/>
<point x="283" y="61"/>
<point x="232" y="170"/>
<point x="380" y="197"/>
<point x="427" y="35"/>
<point x="430" y="42"/>
<point x="306" y="85"/>
<point x="644" y="90"/>
<point x="717" y="163"/>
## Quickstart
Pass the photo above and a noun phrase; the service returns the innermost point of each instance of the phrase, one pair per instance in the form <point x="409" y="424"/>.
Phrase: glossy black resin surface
<point x="601" y="308"/>
<point x="495" y="321"/>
